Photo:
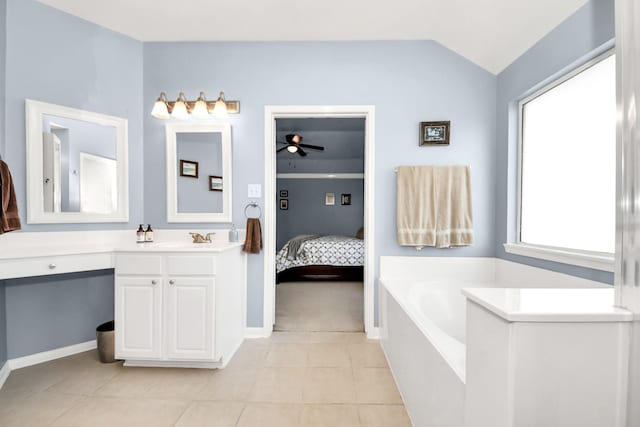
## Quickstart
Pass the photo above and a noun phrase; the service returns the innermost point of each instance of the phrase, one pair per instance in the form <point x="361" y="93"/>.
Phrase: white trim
<point x="374" y="333"/>
<point x="4" y="373"/>
<point x="173" y="215"/>
<point x="597" y="261"/>
<point x="271" y="113"/>
<point x="45" y="356"/>
<point x="320" y="176"/>
<point x="259" y="332"/>
<point x="34" y="111"/>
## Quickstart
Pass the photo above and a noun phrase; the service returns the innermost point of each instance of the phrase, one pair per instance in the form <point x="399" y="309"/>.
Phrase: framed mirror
<point x="77" y="167"/>
<point x="199" y="177"/>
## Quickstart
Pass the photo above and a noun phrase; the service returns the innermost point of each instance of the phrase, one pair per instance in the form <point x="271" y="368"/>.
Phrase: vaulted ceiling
<point x="490" y="33"/>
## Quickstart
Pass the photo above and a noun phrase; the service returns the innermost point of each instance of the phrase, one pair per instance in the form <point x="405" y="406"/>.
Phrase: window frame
<point x="583" y="258"/>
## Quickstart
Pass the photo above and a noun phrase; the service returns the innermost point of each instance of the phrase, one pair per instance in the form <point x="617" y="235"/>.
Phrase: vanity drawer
<point x="42" y="266"/>
<point x="130" y="264"/>
<point x="181" y="265"/>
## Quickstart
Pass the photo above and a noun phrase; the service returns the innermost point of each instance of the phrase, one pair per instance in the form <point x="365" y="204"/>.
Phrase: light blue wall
<point x="577" y="39"/>
<point x="3" y="58"/>
<point x="44" y="313"/>
<point x="57" y="58"/>
<point x="3" y="325"/>
<point x="307" y="213"/>
<point x="407" y="82"/>
<point x="194" y="194"/>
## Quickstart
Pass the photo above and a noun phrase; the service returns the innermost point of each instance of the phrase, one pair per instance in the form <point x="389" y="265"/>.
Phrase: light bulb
<point x="220" y="109"/>
<point x="180" y="110"/>
<point x="292" y="148"/>
<point x="160" y="110"/>
<point x="200" y="108"/>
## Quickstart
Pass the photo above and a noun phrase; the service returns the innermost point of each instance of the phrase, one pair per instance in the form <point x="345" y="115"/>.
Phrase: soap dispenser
<point x="140" y="234"/>
<point x="233" y="234"/>
<point x="148" y="234"/>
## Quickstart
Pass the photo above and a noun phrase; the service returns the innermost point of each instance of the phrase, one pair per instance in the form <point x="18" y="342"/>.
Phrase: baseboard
<point x="258" y="332"/>
<point x="45" y="356"/>
<point x="373" y="333"/>
<point x="4" y="373"/>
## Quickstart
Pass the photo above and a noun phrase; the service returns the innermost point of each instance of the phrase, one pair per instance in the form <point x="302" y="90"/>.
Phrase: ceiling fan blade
<point x="280" y="142"/>
<point x="301" y="152"/>
<point x="313" y="147"/>
<point x="281" y="149"/>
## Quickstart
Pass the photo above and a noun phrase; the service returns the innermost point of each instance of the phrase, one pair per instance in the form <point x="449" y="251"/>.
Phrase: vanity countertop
<point x="26" y="254"/>
<point x="178" y="246"/>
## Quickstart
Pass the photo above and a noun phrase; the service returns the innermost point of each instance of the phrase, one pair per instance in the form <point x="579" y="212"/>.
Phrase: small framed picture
<point x="215" y="183"/>
<point x="329" y="199"/>
<point x="188" y="168"/>
<point x="434" y="133"/>
<point x="284" y="193"/>
<point x="345" y="199"/>
<point x="284" y="204"/>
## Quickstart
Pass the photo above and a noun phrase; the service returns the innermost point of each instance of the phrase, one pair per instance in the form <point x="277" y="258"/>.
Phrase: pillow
<point x="360" y="233"/>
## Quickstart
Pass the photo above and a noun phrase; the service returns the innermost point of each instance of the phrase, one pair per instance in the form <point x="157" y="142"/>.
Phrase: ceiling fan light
<point x="200" y="108"/>
<point x="220" y="108"/>
<point x="160" y="109"/>
<point x="180" y="110"/>
<point x="292" y="148"/>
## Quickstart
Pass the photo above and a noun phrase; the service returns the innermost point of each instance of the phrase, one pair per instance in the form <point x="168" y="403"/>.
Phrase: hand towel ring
<point x="253" y="205"/>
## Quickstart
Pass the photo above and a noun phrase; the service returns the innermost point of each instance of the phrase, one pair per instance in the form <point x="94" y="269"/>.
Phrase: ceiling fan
<point x="294" y="145"/>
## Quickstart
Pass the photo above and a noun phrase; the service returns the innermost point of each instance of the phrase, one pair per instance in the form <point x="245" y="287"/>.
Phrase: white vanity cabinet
<point x="179" y="308"/>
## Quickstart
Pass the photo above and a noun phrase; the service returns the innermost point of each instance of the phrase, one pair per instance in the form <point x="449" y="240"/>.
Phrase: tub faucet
<point x="199" y="238"/>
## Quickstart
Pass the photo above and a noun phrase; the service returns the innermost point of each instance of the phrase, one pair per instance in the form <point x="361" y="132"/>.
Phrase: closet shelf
<point x="320" y="176"/>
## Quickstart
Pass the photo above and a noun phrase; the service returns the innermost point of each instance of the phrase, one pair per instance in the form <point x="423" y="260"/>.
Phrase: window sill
<point x="604" y="262"/>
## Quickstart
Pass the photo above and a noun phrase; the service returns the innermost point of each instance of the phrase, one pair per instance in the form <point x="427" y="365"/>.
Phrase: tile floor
<point x="290" y="379"/>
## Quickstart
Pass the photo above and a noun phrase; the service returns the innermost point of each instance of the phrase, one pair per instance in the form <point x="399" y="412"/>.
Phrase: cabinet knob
<point x="172" y="282"/>
<point x="52" y="266"/>
<point x="153" y="282"/>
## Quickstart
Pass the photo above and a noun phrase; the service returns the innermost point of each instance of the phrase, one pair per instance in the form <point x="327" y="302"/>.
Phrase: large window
<point x="568" y="161"/>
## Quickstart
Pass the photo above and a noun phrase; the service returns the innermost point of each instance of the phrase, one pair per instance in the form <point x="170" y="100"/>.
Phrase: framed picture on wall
<point x="345" y="199"/>
<point x="434" y="133"/>
<point x="284" y="193"/>
<point x="215" y="183"/>
<point x="329" y="199"/>
<point x="188" y="168"/>
<point x="284" y="204"/>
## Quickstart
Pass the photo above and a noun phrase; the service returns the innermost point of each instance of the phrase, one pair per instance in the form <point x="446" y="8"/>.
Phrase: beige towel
<point x="434" y="206"/>
<point x="9" y="217"/>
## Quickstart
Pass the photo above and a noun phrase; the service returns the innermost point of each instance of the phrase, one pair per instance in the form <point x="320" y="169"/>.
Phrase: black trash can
<point x="106" y="338"/>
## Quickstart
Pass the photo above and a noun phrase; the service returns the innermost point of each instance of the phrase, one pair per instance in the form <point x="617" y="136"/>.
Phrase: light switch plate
<point x="254" y="191"/>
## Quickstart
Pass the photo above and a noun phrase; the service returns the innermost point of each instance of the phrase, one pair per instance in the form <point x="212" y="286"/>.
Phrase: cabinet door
<point x="190" y="318"/>
<point x="138" y="317"/>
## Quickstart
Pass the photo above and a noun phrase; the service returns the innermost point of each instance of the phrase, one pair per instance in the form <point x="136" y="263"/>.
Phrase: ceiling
<point x="490" y="33"/>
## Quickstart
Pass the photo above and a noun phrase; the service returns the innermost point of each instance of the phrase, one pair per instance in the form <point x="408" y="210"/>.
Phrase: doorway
<point x="319" y="224"/>
<point x="272" y="201"/>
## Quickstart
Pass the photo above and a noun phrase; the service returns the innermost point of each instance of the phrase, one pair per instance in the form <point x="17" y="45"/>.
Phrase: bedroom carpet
<point x="320" y="306"/>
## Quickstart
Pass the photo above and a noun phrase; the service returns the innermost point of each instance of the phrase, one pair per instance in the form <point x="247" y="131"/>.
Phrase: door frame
<point x="273" y="112"/>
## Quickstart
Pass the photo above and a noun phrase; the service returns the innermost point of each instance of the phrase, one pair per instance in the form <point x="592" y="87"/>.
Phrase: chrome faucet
<point x="199" y="238"/>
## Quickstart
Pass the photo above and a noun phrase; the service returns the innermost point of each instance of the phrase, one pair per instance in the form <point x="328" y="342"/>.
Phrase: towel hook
<point x="253" y="205"/>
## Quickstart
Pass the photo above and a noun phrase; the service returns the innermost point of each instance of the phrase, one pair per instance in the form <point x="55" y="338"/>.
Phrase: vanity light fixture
<point x="181" y="108"/>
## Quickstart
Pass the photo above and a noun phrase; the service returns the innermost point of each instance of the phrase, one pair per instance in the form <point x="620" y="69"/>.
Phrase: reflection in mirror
<point x="199" y="177"/>
<point x="76" y="165"/>
<point x="79" y="166"/>
<point x="194" y="194"/>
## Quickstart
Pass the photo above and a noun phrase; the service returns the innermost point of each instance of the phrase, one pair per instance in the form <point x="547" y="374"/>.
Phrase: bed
<point x="309" y="257"/>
